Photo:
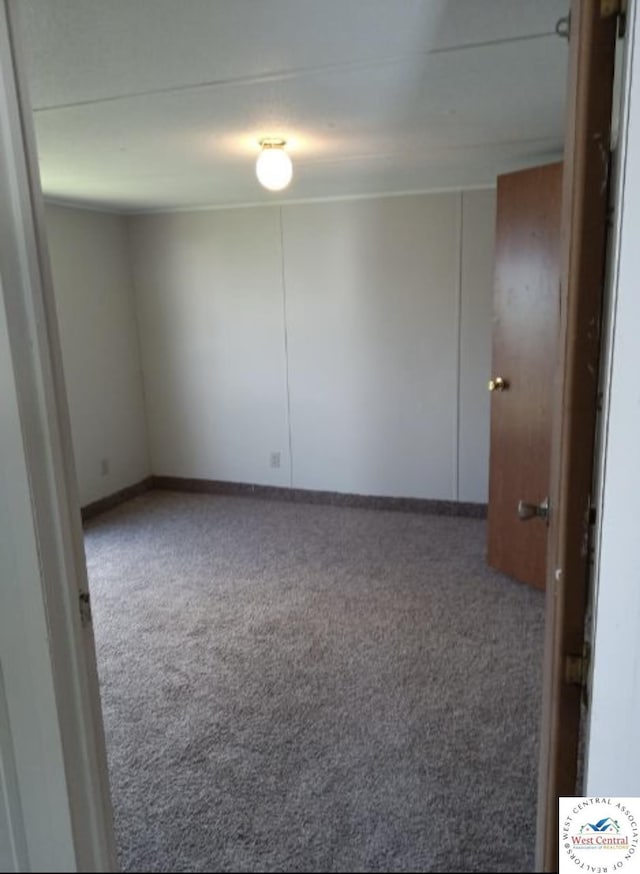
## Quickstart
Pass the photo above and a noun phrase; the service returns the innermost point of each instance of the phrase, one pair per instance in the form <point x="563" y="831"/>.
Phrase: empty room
<point x="305" y="258"/>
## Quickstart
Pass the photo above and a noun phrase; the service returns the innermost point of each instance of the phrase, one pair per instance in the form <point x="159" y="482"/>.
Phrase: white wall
<point x="476" y="323"/>
<point x="371" y="289"/>
<point x="358" y="332"/>
<point x="613" y="755"/>
<point x="210" y="308"/>
<point x="373" y="302"/>
<point x="96" y="314"/>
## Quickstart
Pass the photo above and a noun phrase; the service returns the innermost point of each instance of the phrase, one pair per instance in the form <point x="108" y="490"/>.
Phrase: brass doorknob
<point x="498" y="384"/>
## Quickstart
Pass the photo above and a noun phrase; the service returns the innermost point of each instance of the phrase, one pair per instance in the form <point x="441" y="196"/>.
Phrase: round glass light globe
<point x="274" y="168"/>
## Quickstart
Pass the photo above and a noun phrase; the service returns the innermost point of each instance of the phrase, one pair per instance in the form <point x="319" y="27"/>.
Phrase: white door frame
<point x="55" y="809"/>
<point x="613" y="752"/>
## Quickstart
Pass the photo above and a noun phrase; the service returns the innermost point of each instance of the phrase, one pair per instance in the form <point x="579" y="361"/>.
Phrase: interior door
<point x="595" y="25"/>
<point x="525" y="335"/>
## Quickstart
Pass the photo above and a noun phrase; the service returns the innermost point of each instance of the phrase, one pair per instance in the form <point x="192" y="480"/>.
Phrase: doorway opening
<point x="288" y="226"/>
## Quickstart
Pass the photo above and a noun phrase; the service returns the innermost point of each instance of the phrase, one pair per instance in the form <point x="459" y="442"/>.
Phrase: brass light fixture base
<point x="272" y="143"/>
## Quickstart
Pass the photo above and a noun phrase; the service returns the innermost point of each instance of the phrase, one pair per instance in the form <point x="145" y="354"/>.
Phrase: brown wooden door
<point x="525" y="335"/>
<point x="585" y="202"/>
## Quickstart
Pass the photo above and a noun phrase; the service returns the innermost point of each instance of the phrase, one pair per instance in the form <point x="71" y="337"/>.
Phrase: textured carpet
<point x="292" y="687"/>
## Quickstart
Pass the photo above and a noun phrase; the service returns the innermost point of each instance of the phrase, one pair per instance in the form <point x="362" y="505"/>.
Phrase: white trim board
<point x="164" y="210"/>
<point x="48" y="659"/>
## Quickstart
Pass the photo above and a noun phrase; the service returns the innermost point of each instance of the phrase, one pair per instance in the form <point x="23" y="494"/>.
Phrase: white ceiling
<point x="150" y="104"/>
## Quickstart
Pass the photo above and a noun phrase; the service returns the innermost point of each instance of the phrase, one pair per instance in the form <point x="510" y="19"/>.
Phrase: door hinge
<point x="576" y="667"/>
<point x="84" y="603"/>
<point x="609" y="8"/>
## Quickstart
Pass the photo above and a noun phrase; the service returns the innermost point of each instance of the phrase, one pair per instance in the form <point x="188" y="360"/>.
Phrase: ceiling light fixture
<point x="273" y="167"/>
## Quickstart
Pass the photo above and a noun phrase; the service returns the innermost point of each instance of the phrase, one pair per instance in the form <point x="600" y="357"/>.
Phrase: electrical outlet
<point x="104" y="467"/>
<point x="274" y="459"/>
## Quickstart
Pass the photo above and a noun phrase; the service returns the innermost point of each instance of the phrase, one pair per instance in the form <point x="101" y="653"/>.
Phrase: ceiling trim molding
<point x="90" y="206"/>
<point x="84" y="206"/>
<point x="451" y="189"/>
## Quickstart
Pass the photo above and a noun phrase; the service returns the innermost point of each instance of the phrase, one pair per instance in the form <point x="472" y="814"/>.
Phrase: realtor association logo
<point x="605" y="833"/>
<point x="599" y="835"/>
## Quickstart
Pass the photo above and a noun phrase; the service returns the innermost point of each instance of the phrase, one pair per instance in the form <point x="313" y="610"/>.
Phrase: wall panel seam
<point x="286" y="344"/>
<point x="458" y="350"/>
